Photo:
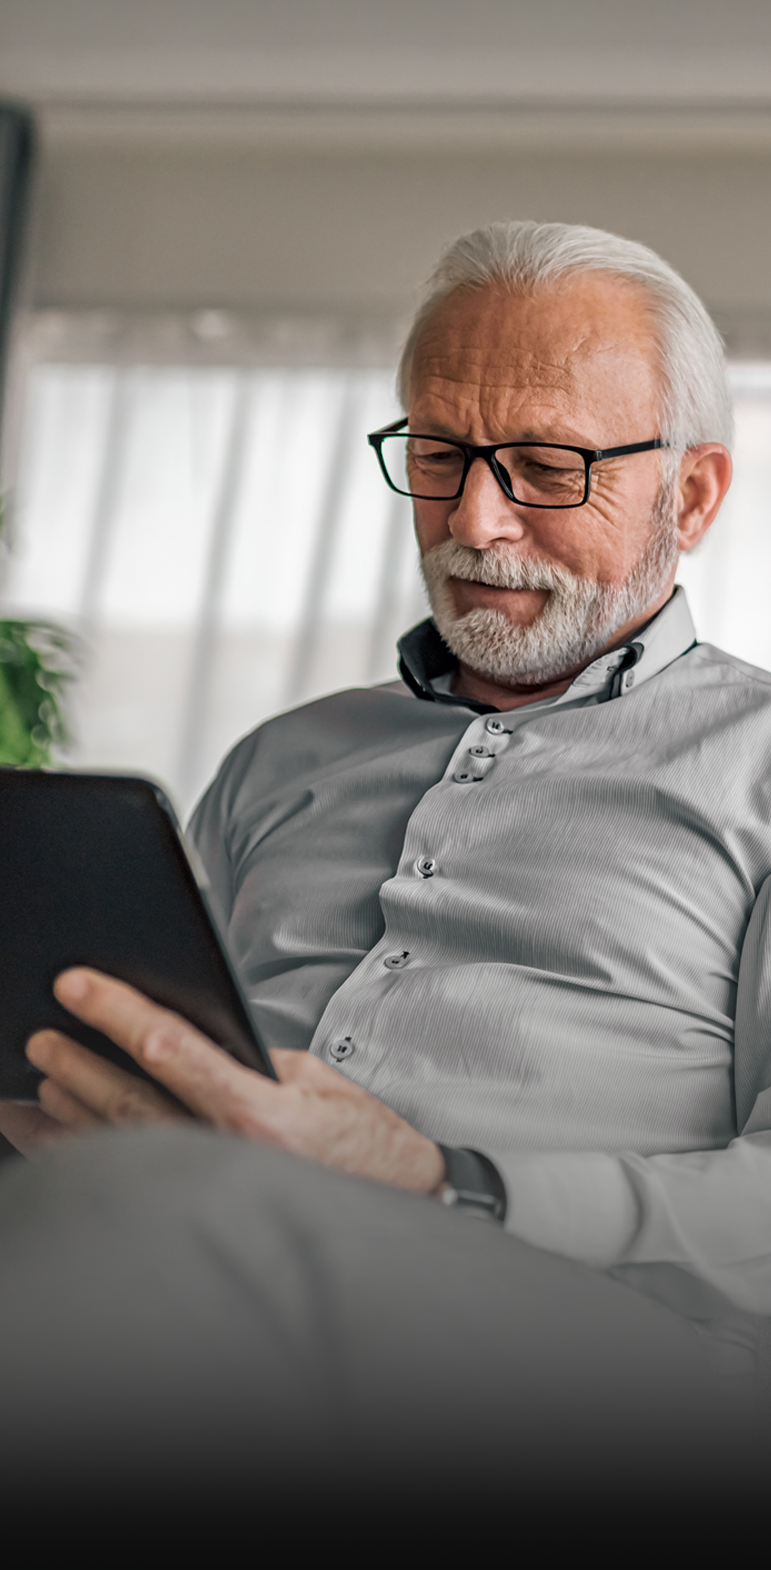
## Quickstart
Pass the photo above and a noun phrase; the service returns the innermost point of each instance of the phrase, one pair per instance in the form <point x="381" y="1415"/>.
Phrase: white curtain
<point x="224" y="545"/>
<point x="728" y="576"/>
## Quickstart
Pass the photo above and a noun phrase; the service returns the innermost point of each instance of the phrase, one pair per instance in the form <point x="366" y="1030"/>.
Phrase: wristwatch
<point x="472" y="1183"/>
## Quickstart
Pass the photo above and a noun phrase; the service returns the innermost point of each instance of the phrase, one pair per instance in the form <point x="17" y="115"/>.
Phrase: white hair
<point x="696" y="402"/>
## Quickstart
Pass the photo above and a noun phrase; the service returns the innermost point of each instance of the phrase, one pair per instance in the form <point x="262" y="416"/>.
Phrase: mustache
<point x="496" y="566"/>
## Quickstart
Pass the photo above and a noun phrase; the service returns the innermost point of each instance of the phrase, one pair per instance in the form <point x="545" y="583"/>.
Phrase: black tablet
<point x="94" y="871"/>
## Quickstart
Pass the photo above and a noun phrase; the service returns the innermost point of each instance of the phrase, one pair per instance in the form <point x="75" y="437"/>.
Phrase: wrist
<point x="437" y="1179"/>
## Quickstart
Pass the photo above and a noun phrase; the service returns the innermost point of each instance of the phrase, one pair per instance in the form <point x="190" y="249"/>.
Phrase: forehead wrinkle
<point x="473" y="372"/>
<point x="497" y="401"/>
<point x="562" y="390"/>
<point x="487" y="385"/>
<point x="468" y="365"/>
<point x="463" y="337"/>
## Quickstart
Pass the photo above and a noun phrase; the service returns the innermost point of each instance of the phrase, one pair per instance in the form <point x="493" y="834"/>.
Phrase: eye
<point x="434" y="455"/>
<point x="559" y="464"/>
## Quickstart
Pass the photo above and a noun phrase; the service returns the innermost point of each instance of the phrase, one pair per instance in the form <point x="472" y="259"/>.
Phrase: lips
<point x="497" y="588"/>
<point x="503" y="588"/>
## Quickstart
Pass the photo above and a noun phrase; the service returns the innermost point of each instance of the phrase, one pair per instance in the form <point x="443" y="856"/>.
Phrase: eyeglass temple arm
<point x="620" y="452"/>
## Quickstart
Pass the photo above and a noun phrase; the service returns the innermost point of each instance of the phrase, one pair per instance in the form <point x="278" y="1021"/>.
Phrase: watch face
<point x="473" y="1184"/>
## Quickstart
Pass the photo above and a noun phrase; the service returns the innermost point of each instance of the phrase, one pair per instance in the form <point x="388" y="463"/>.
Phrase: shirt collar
<point x="424" y="658"/>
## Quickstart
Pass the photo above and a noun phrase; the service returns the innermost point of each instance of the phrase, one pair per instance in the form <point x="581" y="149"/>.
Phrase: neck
<point x="467" y="683"/>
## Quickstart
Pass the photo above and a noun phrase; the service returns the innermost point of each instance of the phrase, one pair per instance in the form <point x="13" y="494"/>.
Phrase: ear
<point x="705" y="475"/>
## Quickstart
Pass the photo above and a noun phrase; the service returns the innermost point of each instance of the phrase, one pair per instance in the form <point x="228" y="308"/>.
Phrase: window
<point x="222" y="541"/>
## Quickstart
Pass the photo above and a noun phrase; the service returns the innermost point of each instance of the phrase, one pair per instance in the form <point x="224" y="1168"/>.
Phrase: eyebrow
<point x="527" y="435"/>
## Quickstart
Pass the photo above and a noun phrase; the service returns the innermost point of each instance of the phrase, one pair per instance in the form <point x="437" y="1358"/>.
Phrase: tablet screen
<point x="94" y="871"/>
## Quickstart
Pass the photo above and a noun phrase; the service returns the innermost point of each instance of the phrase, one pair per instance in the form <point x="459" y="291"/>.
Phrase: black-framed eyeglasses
<point x="534" y="474"/>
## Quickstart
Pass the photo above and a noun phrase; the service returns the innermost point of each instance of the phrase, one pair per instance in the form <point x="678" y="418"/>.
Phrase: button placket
<point x="481" y="757"/>
<point x="465" y="761"/>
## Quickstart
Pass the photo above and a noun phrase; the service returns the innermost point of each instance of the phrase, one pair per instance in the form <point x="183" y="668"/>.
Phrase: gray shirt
<point x="542" y="933"/>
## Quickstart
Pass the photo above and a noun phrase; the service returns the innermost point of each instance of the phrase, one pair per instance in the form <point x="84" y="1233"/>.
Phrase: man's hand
<point x="313" y="1111"/>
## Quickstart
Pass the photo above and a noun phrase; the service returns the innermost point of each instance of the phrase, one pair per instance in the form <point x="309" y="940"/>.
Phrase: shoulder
<point x="308" y="738"/>
<point x="718" y="666"/>
<point x="324" y="728"/>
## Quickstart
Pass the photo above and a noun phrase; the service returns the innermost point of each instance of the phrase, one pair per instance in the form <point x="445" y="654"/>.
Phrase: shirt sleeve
<point x="691" y="1229"/>
<point x="207" y="834"/>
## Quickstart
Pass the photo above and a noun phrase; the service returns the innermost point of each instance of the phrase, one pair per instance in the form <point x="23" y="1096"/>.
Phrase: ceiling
<point x="419" y="55"/>
<point x="191" y="146"/>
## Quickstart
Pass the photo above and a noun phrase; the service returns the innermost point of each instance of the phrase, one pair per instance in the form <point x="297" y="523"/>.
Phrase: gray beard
<point x="580" y="616"/>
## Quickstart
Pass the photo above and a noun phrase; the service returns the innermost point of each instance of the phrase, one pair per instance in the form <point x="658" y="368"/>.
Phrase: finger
<point x="291" y="1065"/>
<point x="199" y="1073"/>
<point x="66" y="1109"/>
<point x="109" y="1092"/>
<point x="28" y="1128"/>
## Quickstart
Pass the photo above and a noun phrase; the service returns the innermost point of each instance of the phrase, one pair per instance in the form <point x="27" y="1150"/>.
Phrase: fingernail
<point x="71" y="986"/>
<point x="37" y="1048"/>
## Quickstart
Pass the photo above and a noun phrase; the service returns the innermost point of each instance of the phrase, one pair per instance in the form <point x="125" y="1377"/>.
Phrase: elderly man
<point x="503" y="928"/>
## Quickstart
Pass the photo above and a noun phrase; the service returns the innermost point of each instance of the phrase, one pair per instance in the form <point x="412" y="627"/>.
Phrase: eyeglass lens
<point x="542" y="476"/>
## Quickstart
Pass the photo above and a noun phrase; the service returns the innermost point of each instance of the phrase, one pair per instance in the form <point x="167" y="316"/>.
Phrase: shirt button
<point x="396" y="961"/>
<point x="481" y="751"/>
<point x="494" y="726"/>
<point x="341" y="1049"/>
<point x="426" y="866"/>
<point x="465" y="777"/>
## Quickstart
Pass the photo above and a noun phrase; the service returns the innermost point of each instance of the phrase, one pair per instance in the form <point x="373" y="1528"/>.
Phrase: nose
<point x="483" y="514"/>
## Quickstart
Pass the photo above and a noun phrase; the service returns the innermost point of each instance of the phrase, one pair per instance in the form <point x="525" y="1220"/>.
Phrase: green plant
<point x="37" y="663"/>
<point x="35" y="667"/>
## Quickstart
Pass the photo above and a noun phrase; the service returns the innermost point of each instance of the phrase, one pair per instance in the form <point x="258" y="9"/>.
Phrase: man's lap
<point x="177" y="1304"/>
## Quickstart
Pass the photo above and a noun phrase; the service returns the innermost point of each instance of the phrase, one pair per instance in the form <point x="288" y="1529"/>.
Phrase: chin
<point x="507" y="653"/>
